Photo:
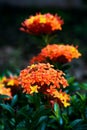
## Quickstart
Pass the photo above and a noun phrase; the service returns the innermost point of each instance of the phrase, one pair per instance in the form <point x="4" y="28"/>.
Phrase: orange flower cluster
<point x="11" y="84"/>
<point x="43" y="78"/>
<point x="59" y="53"/>
<point x="42" y="24"/>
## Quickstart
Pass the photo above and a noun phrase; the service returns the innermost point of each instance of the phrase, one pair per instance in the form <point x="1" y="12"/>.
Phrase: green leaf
<point x="42" y="126"/>
<point x="37" y="115"/>
<point x="52" y="116"/>
<point x="42" y="118"/>
<point x="80" y="126"/>
<point x="12" y="122"/>
<point x="81" y="96"/>
<point x="71" y="80"/>
<point x="56" y="108"/>
<point x="14" y="100"/>
<point x="3" y="96"/>
<point x="61" y="121"/>
<point x="24" y="112"/>
<point x="42" y="110"/>
<point x="76" y="122"/>
<point x="30" y="98"/>
<point x="21" y="125"/>
<point x="73" y="87"/>
<point x="83" y="86"/>
<point x="1" y="127"/>
<point x="7" y="107"/>
<point x="57" y="111"/>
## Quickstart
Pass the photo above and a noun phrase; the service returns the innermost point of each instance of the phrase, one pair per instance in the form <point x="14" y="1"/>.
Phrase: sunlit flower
<point x="42" y="24"/>
<point x="12" y="83"/>
<point x="5" y="91"/>
<point x="59" y="53"/>
<point x="63" y="97"/>
<point x="43" y="78"/>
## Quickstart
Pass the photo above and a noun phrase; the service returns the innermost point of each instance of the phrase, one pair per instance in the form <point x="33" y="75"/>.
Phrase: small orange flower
<point x="5" y="91"/>
<point x="63" y="97"/>
<point x="43" y="78"/>
<point x="42" y="24"/>
<point x="12" y="83"/>
<point x="38" y="59"/>
<point x="59" y="53"/>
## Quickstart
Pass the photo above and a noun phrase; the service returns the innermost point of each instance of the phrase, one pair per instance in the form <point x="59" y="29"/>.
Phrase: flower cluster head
<point x="57" y="53"/>
<point x="43" y="78"/>
<point x="42" y="24"/>
<point x="11" y="83"/>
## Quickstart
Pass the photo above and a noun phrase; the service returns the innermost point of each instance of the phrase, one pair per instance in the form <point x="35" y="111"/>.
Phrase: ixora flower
<point x="4" y="90"/>
<point x="43" y="78"/>
<point x="59" y="53"/>
<point x="11" y="83"/>
<point x="42" y="24"/>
